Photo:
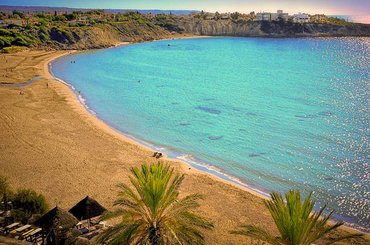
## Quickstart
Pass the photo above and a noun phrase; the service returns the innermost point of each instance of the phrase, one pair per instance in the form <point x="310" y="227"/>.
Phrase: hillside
<point x="99" y="29"/>
<point x="245" y="28"/>
<point x="45" y="9"/>
<point x="94" y="29"/>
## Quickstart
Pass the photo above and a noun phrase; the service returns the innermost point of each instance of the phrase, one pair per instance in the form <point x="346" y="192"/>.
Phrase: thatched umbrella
<point x="56" y="223"/>
<point x="56" y="217"/>
<point x="87" y="208"/>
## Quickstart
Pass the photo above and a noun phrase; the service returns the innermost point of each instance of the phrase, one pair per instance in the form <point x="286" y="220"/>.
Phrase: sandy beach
<point x="50" y="143"/>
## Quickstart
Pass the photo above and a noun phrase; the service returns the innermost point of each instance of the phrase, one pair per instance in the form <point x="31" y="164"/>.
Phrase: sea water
<point x="270" y="114"/>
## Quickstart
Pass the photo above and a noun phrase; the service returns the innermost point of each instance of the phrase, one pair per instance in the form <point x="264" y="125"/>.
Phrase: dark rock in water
<point x="207" y="109"/>
<point x="215" y="137"/>
<point x="184" y="124"/>
<point x="242" y="129"/>
<point x="254" y="155"/>
<point x="325" y="113"/>
<point x="307" y="116"/>
<point x="251" y="114"/>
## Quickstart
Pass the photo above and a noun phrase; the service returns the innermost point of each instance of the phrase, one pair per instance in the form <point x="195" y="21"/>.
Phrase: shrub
<point x="6" y="41"/>
<point x="4" y="32"/>
<point x="13" y="49"/>
<point x="29" y="202"/>
<point x="4" y="187"/>
<point x="22" y="41"/>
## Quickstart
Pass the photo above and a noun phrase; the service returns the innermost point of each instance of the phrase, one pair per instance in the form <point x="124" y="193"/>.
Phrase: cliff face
<point x="100" y="36"/>
<point x="106" y="35"/>
<point x="270" y="29"/>
<point x="136" y="28"/>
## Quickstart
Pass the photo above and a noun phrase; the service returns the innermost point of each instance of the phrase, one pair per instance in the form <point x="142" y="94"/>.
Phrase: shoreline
<point x="79" y="158"/>
<point x="214" y="172"/>
<point x="202" y="167"/>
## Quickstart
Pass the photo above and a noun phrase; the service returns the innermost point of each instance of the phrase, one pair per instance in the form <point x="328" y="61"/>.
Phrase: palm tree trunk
<point x="154" y="236"/>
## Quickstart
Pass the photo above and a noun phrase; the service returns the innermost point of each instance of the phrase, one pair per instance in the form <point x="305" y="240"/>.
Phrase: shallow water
<point x="275" y="114"/>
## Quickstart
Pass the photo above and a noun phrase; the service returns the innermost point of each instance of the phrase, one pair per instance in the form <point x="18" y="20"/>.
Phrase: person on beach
<point x="159" y="155"/>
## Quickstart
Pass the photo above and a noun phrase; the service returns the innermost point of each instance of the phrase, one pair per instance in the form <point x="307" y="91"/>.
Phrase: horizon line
<point x="195" y="10"/>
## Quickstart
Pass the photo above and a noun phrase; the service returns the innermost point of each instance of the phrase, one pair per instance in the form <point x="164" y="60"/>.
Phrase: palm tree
<point x="152" y="212"/>
<point x="295" y="220"/>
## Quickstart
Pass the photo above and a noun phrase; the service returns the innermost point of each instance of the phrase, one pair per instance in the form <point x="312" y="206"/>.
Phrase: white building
<point x="283" y="16"/>
<point x="265" y="16"/>
<point x="301" y="18"/>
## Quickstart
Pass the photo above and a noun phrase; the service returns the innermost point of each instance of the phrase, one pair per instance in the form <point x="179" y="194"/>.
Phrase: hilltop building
<point x="318" y="18"/>
<point x="301" y="18"/>
<point x="263" y="16"/>
<point x="283" y="16"/>
<point x="266" y="16"/>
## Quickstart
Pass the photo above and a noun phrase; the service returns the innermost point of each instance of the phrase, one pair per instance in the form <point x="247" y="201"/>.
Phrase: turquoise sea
<point x="269" y="114"/>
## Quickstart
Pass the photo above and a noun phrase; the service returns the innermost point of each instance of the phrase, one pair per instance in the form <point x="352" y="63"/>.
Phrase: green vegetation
<point x="24" y="203"/>
<point x="152" y="212"/>
<point x="169" y="22"/>
<point x="57" y="30"/>
<point x="235" y="15"/>
<point x="295" y="220"/>
<point x="5" y="191"/>
<point x="29" y="202"/>
<point x="17" y="14"/>
<point x="14" y="49"/>
<point x="97" y="29"/>
<point x="337" y="21"/>
<point x="9" y="37"/>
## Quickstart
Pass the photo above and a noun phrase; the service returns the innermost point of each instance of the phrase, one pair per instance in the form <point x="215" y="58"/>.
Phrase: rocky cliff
<point x="245" y="28"/>
<point x="99" y="36"/>
<point x="49" y="33"/>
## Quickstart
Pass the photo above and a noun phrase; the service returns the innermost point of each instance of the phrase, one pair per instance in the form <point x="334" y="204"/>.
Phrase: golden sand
<point x="50" y="143"/>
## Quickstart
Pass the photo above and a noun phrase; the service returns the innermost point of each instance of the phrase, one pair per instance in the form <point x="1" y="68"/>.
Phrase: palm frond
<point x="258" y="233"/>
<point x="153" y="213"/>
<point x="296" y="220"/>
<point x="347" y="237"/>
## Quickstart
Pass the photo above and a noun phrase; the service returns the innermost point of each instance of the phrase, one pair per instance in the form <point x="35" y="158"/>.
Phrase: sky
<point x="335" y="7"/>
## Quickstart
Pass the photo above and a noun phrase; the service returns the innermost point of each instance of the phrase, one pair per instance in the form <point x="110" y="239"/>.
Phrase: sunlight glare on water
<point x="276" y="114"/>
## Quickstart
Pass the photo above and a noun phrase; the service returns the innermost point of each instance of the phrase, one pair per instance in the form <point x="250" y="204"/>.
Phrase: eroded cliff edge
<point x="243" y="28"/>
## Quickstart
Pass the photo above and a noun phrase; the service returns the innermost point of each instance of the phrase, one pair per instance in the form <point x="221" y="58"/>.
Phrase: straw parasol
<point x="57" y="217"/>
<point x="87" y="208"/>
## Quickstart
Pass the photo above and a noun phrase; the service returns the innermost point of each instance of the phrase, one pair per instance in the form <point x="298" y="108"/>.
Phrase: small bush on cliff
<point x="15" y="37"/>
<point x="168" y="22"/>
<point x="5" y="41"/>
